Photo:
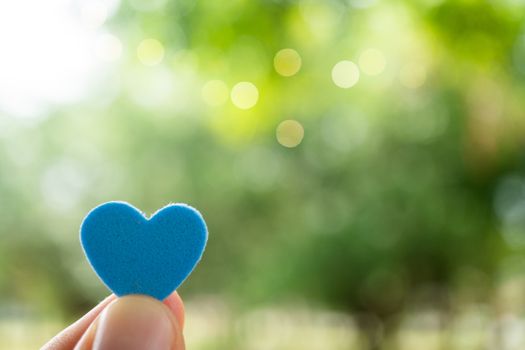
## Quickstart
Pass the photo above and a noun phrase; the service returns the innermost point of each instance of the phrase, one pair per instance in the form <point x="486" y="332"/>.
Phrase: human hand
<point x="133" y="322"/>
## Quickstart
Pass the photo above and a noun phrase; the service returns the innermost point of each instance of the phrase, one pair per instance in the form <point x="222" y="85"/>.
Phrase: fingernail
<point x="135" y="323"/>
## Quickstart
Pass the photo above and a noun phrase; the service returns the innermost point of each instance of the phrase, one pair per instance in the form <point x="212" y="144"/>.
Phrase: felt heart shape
<point x="135" y="255"/>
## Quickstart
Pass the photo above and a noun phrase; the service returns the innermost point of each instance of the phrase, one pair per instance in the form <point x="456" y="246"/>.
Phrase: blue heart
<point x="135" y="255"/>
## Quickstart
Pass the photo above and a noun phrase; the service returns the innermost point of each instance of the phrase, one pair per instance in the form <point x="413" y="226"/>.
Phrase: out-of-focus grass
<point x="212" y="324"/>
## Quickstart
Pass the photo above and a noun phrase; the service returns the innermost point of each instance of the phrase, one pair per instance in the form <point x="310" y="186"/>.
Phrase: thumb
<point x="134" y="322"/>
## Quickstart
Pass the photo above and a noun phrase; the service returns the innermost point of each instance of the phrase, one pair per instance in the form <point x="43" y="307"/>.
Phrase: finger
<point x="136" y="322"/>
<point x="67" y="339"/>
<point x="175" y="304"/>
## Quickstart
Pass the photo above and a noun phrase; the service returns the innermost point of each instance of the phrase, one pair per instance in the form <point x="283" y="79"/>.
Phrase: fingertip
<point x="175" y="304"/>
<point x="135" y="322"/>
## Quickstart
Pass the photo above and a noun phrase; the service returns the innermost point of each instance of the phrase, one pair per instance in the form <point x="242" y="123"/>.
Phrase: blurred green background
<point x="360" y="164"/>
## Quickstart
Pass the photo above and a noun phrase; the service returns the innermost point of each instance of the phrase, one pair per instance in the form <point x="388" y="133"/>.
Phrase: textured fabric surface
<point x="135" y="255"/>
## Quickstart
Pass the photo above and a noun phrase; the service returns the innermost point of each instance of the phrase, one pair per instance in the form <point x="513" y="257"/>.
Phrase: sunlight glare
<point x="47" y="56"/>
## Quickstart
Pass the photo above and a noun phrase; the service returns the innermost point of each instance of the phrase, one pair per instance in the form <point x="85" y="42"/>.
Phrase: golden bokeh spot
<point x="150" y="52"/>
<point x="108" y="48"/>
<point x="244" y="95"/>
<point x="345" y="74"/>
<point x="413" y="75"/>
<point x="287" y="62"/>
<point x="215" y="93"/>
<point x="289" y="133"/>
<point x="372" y="62"/>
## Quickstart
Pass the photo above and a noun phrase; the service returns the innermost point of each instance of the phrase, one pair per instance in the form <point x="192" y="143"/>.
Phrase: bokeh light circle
<point x="372" y="62"/>
<point x="150" y="52"/>
<point x="108" y="48"/>
<point x="290" y="133"/>
<point x="244" y="95"/>
<point x="287" y="62"/>
<point x="215" y="93"/>
<point x="413" y="75"/>
<point x="345" y="74"/>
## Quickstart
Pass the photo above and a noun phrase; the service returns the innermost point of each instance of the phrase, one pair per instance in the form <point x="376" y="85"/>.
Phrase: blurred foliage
<point x="390" y="200"/>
